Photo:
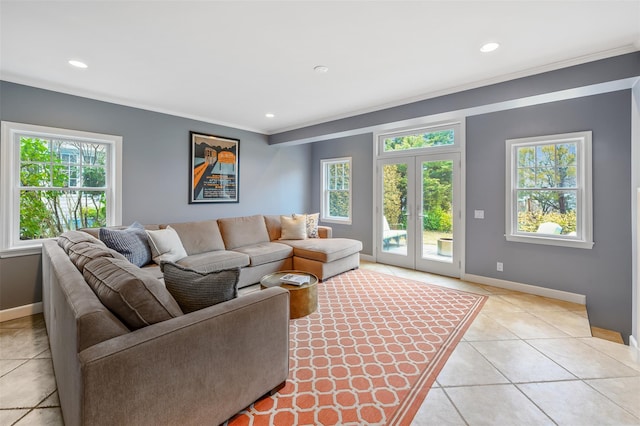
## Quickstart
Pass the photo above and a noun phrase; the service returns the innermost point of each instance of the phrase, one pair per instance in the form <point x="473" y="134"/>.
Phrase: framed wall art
<point x="214" y="172"/>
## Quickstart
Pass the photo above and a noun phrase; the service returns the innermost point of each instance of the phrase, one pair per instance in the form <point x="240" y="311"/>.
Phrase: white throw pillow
<point x="293" y="228"/>
<point x="166" y="245"/>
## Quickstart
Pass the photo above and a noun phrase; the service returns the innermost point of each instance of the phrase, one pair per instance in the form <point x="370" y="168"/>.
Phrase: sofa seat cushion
<point x="223" y="259"/>
<point x="324" y="249"/>
<point x="243" y="231"/>
<point x="82" y="253"/>
<point x="136" y="297"/>
<point x="198" y="237"/>
<point x="262" y="253"/>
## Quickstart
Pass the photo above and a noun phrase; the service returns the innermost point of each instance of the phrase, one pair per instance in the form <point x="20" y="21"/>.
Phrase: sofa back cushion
<point x="136" y="297"/>
<point x="82" y="253"/>
<point x="198" y="237"/>
<point x="274" y="227"/>
<point x="243" y="231"/>
<point x="71" y="238"/>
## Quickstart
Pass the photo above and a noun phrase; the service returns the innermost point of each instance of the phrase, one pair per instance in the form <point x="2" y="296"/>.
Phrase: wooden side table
<point x="303" y="299"/>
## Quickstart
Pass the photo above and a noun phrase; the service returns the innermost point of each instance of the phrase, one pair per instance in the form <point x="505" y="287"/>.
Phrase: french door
<point x="418" y="212"/>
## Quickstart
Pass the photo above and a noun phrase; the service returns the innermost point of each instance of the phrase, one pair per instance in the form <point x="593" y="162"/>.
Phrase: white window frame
<point x="584" y="204"/>
<point x="10" y="243"/>
<point x="324" y="208"/>
<point x="416" y="130"/>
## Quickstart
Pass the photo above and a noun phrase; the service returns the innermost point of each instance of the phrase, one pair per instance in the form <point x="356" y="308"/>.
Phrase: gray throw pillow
<point x="132" y="294"/>
<point x="131" y="242"/>
<point x="198" y="289"/>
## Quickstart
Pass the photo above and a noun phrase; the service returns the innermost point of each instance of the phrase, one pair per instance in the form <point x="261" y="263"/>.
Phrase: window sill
<point x="21" y="251"/>
<point x="551" y="241"/>
<point x="334" y="220"/>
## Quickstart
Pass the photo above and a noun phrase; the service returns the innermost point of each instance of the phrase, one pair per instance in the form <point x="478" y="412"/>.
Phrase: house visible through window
<point x="56" y="180"/>
<point x="336" y="190"/>
<point x="549" y="190"/>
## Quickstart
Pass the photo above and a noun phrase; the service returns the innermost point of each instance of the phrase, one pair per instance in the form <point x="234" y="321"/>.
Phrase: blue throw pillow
<point x="131" y="242"/>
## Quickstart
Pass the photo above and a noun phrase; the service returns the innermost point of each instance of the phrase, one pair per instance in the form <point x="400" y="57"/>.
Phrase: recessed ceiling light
<point x="321" y="69"/>
<point x="78" y="64"/>
<point x="489" y="47"/>
<point x="269" y="115"/>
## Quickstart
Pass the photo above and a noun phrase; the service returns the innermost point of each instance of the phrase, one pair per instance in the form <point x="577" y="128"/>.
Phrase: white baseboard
<point x="634" y="344"/>
<point x="527" y="288"/>
<point x="20" y="311"/>
<point x="367" y="257"/>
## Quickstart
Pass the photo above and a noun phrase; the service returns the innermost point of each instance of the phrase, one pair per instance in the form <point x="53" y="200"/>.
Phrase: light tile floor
<point x="526" y="360"/>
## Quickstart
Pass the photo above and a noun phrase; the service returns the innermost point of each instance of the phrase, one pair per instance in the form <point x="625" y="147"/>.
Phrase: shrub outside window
<point x="423" y="139"/>
<point x="336" y="190"/>
<point x="549" y="190"/>
<point x="55" y="180"/>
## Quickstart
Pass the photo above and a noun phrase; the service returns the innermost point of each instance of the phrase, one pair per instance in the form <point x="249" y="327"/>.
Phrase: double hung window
<point x="55" y="180"/>
<point x="549" y="190"/>
<point x="336" y="190"/>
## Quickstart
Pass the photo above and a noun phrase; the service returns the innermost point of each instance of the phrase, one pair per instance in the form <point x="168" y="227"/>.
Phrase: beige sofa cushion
<point x="198" y="237"/>
<point x="133" y="295"/>
<point x="70" y="238"/>
<point x="216" y="260"/>
<point x="262" y="253"/>
<point x="243" y="231"/>
<point x="274" y="227"/>
<point x="324" y="249"/>
<point x="84" y="252"/>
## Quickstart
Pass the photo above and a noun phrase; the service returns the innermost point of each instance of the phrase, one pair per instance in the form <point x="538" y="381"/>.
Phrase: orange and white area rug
<point x="369" y="354"/>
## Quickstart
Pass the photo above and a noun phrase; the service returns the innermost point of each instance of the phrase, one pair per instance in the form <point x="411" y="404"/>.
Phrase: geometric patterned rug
<point x="369" y="354"/>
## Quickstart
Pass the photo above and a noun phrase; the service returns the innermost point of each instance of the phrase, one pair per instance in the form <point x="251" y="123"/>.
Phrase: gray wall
<point x="155" y="170"/>
<point x="603" y="274"/>
<point x="635" y="186"/>
<point x="360" y="148"/>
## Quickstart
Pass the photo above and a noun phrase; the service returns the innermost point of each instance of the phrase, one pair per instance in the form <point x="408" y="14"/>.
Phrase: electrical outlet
<point x="499" y="267"/>
<point x="478" y="214"/>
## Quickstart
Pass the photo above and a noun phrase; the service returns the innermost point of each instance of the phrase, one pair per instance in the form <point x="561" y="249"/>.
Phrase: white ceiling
<point x="231" y="62"/>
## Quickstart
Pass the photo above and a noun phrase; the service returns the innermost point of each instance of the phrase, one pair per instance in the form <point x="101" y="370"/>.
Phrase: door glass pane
<point x="437" y="210"/>
<point x="394" y="199"/>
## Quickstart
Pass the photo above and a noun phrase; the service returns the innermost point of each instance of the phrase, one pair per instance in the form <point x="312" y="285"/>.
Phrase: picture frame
<point x="214" y="169"/>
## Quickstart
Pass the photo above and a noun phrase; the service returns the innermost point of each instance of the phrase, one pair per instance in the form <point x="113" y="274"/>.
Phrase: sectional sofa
<point x="253" y="243"/>
<point x="154" y="365"/>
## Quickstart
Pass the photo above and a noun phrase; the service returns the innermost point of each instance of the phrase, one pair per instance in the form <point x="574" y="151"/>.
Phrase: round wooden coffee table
<point x="303" y="299"/>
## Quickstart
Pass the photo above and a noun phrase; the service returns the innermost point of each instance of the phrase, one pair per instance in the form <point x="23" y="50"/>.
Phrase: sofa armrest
<point x="200" y="368"/>
<point x="324" y="231"/>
